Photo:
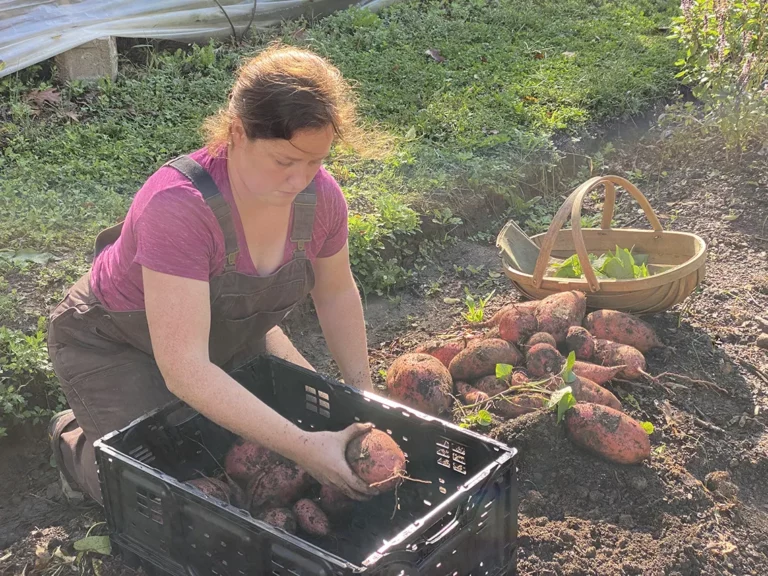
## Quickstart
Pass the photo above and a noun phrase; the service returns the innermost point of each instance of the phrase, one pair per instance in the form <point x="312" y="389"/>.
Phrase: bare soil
<point x="699" y="507"/>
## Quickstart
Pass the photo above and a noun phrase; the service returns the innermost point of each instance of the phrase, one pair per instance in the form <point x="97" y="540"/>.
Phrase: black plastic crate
<point x="463" y="523"/>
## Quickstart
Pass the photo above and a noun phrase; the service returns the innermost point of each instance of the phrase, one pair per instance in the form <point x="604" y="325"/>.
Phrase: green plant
<point x="28" y="387"/>
<point x="475" y="306"/>
<point x="621" y="265"/>
<point x="724" y="59"/>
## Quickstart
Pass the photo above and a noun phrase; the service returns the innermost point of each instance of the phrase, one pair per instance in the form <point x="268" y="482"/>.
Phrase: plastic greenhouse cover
<point x="34" y="30"/>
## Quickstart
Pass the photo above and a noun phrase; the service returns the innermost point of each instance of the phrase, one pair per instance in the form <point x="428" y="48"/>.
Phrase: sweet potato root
<point x="520" y="377"/>
<point x="543" y="360"/>
<point x="580" y="341"/>
<point x="278" y="483"/>
<point x="491" y="385"/>
<point x="622" y="328"/>
<point x="541" y="338"/>
<point x="279" y="518"/>
<point x="529" y="306"/>
<point x="377" y="459"/>
<point x="597" y="374"/>
<point x="558" y="312"/>
<point x="469" y="394"/>
<point x="587" y="391"/>
<point x="310" y="518"/>
<point x="212" y="487"/>
<point x="512" y="406"/>
<point x="443" y="351"/>
<point x="517" y="325"/>
<point x="480" y="358"/>
<point x="334" y="502"/>
<point x="244" y="459"/>
<point x="421" y="382"/>
<point x="610" y="353"/>
<point x="608" y="433"/>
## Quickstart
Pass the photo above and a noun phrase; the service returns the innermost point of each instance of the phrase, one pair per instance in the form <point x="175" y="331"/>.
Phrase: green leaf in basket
<point x="98" y="544"/>
<point x="640" y="259"/>
<point x="570" y="268"/>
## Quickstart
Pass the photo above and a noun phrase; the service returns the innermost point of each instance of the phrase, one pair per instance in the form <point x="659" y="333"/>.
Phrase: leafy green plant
<point x="475" y="306"/>
<point x="29" y="390"/>
<point x="621" y="265"/>
<point x="724" y="59"/>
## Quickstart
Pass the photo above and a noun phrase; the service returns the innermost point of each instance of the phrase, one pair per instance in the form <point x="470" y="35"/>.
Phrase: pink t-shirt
<point x="169" y="228"/>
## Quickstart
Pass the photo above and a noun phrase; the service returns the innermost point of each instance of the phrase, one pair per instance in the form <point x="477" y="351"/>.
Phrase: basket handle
<point x="573" y="206"/>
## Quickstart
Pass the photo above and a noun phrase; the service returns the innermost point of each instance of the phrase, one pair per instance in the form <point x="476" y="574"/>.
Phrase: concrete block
<point x="91" y="61"/>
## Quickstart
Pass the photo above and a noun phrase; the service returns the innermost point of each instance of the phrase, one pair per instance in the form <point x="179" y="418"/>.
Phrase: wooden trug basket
<point x="677" y="258"/>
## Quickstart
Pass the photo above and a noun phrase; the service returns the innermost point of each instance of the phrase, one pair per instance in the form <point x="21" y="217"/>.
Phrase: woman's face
<point x="273" y="172"/>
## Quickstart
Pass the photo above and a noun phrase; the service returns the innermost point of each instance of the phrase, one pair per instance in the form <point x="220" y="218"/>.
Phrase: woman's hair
<point x="284" y="90"/>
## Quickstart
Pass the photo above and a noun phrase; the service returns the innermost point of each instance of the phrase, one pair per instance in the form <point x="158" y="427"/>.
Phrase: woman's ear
<point x="237" y="134"/>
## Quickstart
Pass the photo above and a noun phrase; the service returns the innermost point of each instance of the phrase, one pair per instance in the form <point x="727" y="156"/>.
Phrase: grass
<point x="471" y="120"/>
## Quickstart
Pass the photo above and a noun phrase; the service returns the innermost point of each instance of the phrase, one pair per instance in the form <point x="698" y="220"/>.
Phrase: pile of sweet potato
<point x="279" y="492"/>
<point x="535" y="338"/>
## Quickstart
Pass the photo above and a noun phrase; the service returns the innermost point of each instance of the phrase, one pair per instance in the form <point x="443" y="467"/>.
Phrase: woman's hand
<point x="323" y="455"/>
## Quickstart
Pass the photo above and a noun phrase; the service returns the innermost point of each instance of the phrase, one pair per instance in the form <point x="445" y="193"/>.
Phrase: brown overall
<point x="104" y="358"/>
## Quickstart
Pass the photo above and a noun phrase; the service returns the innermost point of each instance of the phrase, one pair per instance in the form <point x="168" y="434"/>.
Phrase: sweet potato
<point x="541" y="338"/>
<point x="512" y="406"/>
<point x="469" y="394"/>
<point x="443" y="351"/>
<point x="492" y="333"/>
<point x="598" y="374"/>
<point x="377" y="459"/>
<point x="276" y="484"/>
<point x="622" y="328"/>
<point x="212" y="487"/>
<point x="608" y="433"/>
<point x="543" y="360"/>
<point x="480" y="358"/>
<point x="520" y="377"/>
<point x="580" y="341"/>
<point x="311" y="518"/>
<point x="528" y="306"/>
<point x="334" y="502"/>
<point x="517" y="325"/>
<point x="558" y="312"/>
<point x="610" y="353"/>
<point x="421" y="382"/>
<point x="282" y="518"/>
<point x="585" y="390"/>
<point x="244" y="459"/>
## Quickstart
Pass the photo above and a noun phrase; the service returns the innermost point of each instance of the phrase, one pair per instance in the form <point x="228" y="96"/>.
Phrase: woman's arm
<point x="340" y="312"/>
<point x="178" y="313"/>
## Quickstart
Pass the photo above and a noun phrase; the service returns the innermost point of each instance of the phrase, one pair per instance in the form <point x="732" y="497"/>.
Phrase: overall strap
<point x="202" y="180"/>
<point x="303" y="219"/>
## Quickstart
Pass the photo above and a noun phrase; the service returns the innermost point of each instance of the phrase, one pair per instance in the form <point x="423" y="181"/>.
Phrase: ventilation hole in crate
<point x="489" y="504"/>
<point x="441" y="480"/>
<point x="451" y="455"/>
<point x="310" y="390"/>
<point x="324" y="404"/>
<point x="311" y="408"/>
<point x="443" y="490"/>
<point x="193" y="545"/>
<point x="481" y="564"/>
<point x="427" y="502"/>
<point x="357" y="419"/>
<point x="325" y="413"/>
<point x="209" y="555"/>
<point x="439" y="564"/>
<point x="207" y="535"/>
<point x="484" y="514"/>
<point x="142" y="454"/>
<point x="312" y="426"/>
<point x="149" y="505"/>
<point x="454" y="552"/>
<point x="224" y="563"/>
<point x="240" y="553"/>
<point x="241" y="572"/>
<point x="405" y="438"/>
<point x="406" y="414"/>
<point x="406" y="455"/>
<point x="310" y="399"/>
<point x="223" y="545"/>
